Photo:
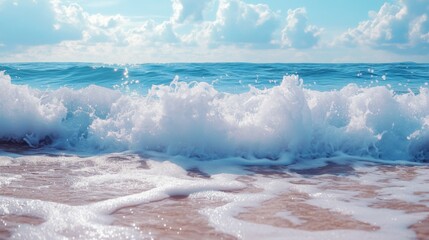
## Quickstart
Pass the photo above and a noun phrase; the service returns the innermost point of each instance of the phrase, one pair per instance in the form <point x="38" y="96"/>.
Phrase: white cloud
<point x="94" y="27"/>
<point x="297" y="32"/>
<point x="62" y="29"/>
<point x="114" y="30"/>
<point x="399" y="27"/>
<point x="105" y="22"/>
<point x="101" y="28"/>
<point x="49" y="22"/>
<point x="240" y="23"/>
<point x="188" y="10"/>
<point x="255" y="26"/>
<point x="151" y="33"/>
<point x="71" y="13"/>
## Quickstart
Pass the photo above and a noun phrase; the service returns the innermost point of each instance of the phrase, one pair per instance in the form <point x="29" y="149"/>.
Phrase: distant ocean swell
<point x="196" y="120"/>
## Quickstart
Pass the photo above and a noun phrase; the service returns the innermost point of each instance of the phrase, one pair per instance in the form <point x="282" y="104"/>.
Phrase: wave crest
<point x="194" y="119"/>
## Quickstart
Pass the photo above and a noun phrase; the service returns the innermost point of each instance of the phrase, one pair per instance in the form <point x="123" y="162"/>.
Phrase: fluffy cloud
<point x="399" y="27"/>
<point x="240" y="23"/>
<point x="188" y="10"/>
<point x="207" y="25"/>
<point x="152" y="33"/>
<point x="100" y="28"/>
<point x="255" y="26"/>
<point x="235" y="23"/>
<point x="297" y="32"/>
<point x="94" y="27"/>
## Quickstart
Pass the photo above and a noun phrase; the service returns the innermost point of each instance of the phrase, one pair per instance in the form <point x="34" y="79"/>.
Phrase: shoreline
<point x="126" y="195"/>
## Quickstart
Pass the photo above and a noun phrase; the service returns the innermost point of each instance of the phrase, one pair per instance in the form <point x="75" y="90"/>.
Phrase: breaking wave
<point x="196" y="120"/>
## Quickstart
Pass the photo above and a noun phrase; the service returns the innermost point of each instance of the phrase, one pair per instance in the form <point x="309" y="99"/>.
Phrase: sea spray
<point x="195" y="119"/>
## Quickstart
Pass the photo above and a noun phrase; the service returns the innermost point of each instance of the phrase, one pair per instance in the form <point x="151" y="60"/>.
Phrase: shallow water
<point x="219" y="151"/>
<point x="130" y="196"/>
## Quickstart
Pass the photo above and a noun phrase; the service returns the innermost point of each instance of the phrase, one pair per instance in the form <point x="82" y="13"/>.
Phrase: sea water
<point x="219" y="150"/>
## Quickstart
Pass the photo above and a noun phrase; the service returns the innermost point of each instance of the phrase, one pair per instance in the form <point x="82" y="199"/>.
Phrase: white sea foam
<point x="157" y="180"/>
<point x="194" y="119"/>
<point x="63" y="221"/>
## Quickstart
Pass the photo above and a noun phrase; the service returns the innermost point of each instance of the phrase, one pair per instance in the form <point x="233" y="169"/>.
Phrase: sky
<point x="143" y="31"/>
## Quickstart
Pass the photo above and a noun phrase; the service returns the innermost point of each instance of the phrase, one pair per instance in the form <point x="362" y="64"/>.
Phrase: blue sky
<point x="139" y="31"/>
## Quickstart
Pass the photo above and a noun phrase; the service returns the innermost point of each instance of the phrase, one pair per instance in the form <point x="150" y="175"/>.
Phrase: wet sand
<point x="302" y="205"/>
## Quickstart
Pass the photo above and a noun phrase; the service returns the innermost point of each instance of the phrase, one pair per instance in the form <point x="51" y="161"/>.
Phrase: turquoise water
<point x="229" y="77"/>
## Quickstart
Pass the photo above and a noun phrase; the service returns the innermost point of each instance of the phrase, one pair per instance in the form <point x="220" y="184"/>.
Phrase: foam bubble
<point x="375" y="201"/>
<point x="194" y="119"/>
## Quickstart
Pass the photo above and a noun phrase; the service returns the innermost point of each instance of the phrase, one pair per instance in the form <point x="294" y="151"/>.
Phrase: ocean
<point x="214" y="151"/>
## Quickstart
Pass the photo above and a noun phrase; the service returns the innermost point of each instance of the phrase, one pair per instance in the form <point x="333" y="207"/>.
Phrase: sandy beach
<point x="109" y="196"/>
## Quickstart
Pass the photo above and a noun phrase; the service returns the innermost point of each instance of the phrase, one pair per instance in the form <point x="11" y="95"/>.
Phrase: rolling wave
<point x="194" y="119"/>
